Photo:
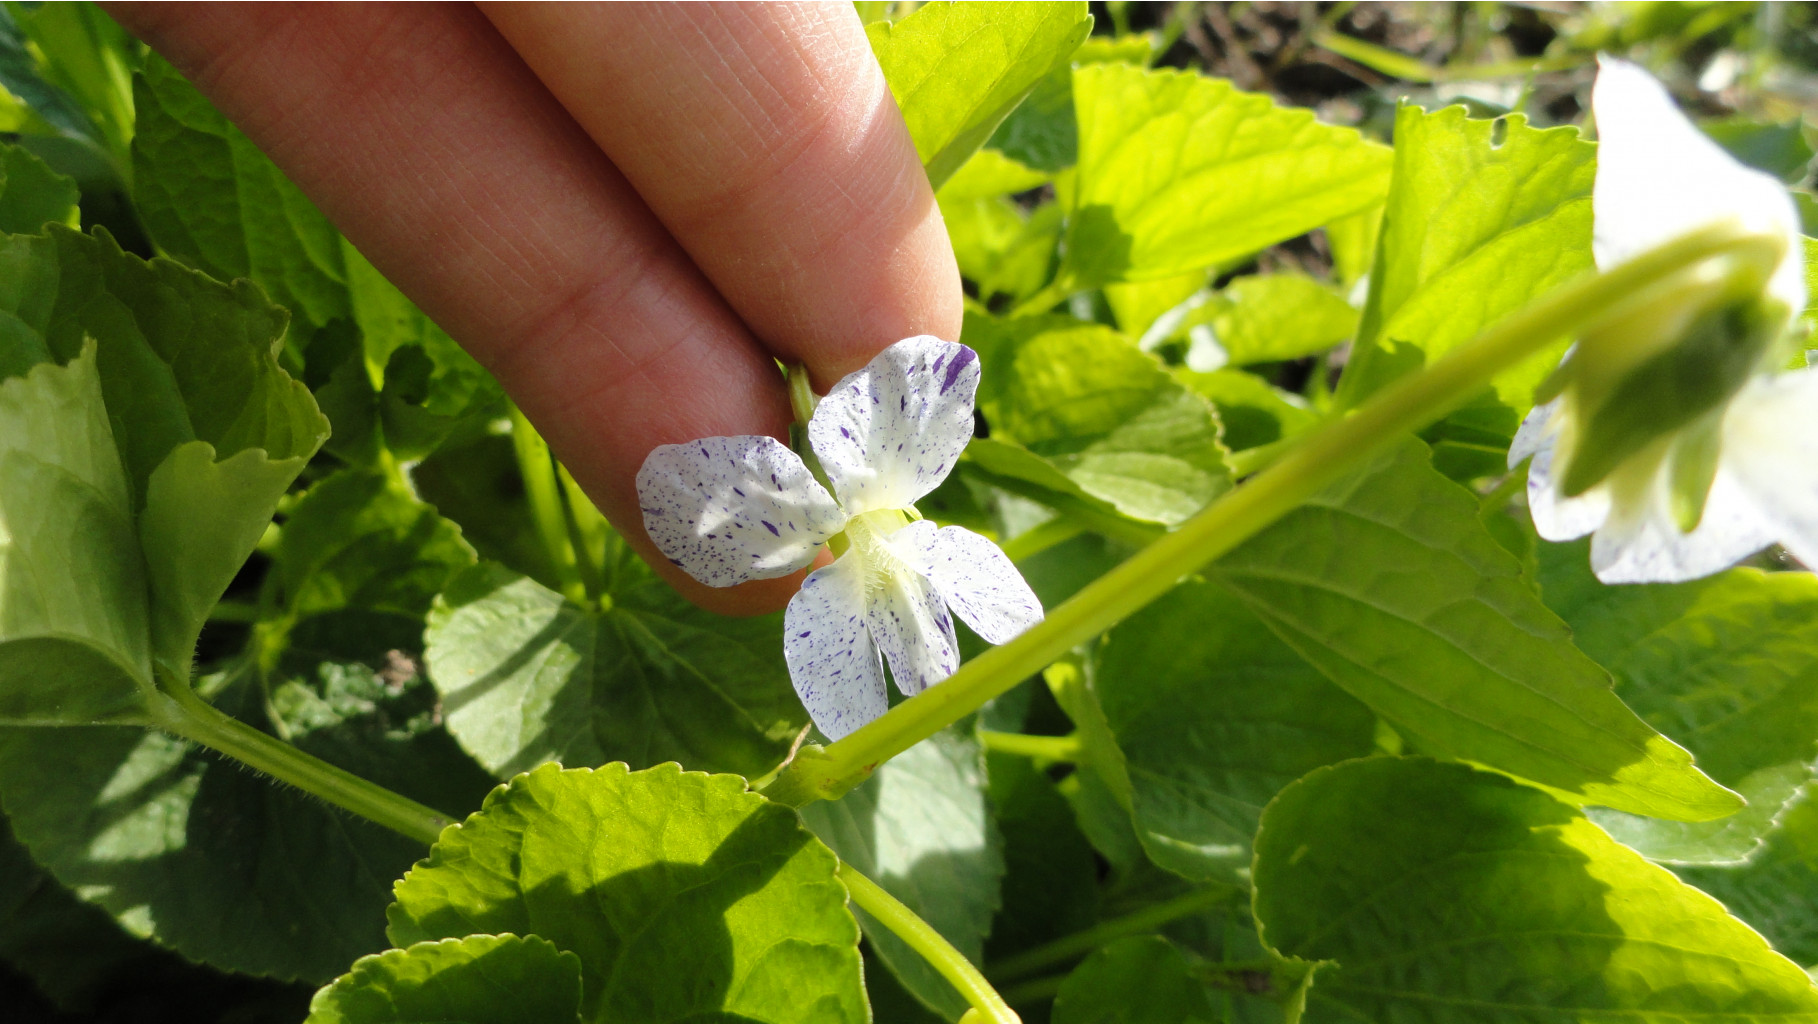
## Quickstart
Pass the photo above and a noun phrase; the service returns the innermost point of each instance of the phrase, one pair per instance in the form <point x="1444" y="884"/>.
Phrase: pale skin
<point x="627" y="212"/>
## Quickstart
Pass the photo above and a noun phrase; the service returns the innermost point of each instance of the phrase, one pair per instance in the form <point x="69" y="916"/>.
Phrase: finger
<point x="765" y="137"/>
<point x="426" y="140"/>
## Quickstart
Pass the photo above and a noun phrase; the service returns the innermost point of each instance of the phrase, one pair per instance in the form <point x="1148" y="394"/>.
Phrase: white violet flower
<point x="731" y="509"/>
<point x="1675" y="440"/>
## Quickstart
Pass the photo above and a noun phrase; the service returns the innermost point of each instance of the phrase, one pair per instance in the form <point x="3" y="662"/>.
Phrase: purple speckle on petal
<point x="738" y="492"/>
<point x="847" y="434"/>
<point x="772" y="528"/>
<point x="961" y="359"/>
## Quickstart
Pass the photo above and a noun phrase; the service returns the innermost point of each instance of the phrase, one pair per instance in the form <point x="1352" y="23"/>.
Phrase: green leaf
<point x="73" y="952"/>
<point x="181" y="358"/>
<point x="201" y="519"/>
<point x="1389" y="583"/>
<point x="1137" y="307"/>
<point x="31" y="194"/>
<point x="989" y="174"/>
<point x="1726" y="665"/>
<point x="86" y="55"/>
<point x="209" y="197"/>
<point x="684" y="895"/>
<point x="1143" y="979"/>
<point x="1352" y="239"/>
<point x="360" y="540"/>
<point x="22" y="75"/>
<point x="1252" y="411"/>
<point x="957" y="70"/>
<point x="1043" y="133"/>
<point x="1774" y="890"/>
<point x="1101" y="412"/>
<point x="1474" y="229"/>
<point x="1214" y="715"/>
<point x="73" y="614"/>
<point x="998" y="247"/>
<point x="920" y="827"/>
<point x="194" y="852"/>
<point x="480" y="979"/>
<point x="1440" y="892"/>
<point x="529" y="677"/>
<point x="1178" y="171"/>
<point x="1050" y="886"/>
<point x="1779" y="149"/>
<point x="1261" y="319"/>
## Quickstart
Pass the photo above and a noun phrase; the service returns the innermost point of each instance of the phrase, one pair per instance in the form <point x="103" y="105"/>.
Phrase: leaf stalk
<point x="986" y="1004"/>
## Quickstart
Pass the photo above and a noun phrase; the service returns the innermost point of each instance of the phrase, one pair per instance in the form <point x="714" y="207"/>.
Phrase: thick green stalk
<point x="921" y="937"/>
<point x="1317" y="458"/>
<point x="182" y="712"/>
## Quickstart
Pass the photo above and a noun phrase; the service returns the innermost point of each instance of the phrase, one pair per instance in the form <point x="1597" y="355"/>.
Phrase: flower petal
<point x="832" y="661"/>
<point x="1640" y="542"/>
<point x="1557" y="517"/>
<point x="1770" y="443"/>
<point x="911" y="625"/>
<point x="890" y="433"/>
<point x="731" y="509"/>
<point x="1658" y="177"/>
<point x="973" y="576"/>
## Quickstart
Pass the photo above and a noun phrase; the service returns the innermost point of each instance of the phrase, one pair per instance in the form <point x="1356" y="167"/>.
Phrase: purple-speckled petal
<point x="891" y="432"/>
<point x="973" y="576"/>
<point x="832" y="661"/>
<point x="911" y="625"/>
<point x="731" y="509"/>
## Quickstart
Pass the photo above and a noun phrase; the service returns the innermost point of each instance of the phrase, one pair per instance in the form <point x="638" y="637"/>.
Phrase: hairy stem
<point x="185" y="714"/>
<point x="1071" y="947"/>
<point x="1316" y="459"/>
<point x="939" y="953"/>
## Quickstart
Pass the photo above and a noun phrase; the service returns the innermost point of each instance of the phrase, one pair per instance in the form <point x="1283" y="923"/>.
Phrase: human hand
<point x="625" y="211"/>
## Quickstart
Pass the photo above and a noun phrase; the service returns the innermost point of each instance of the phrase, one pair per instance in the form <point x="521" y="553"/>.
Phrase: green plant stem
<point x="185" y="714"/>
<point x="1052" y="294"/>
<point x="922" y="938"/>
<point x="1139" y="922"/>
<point x="1254" y="460"/>
<point x="1502" y="493"/>
<point x="1049" y="748"/>
<point x="1038" y="990"/>
<point x="1319" y="457"/>
<point x="1039" y="538"/>
<point x="537" y="468"/>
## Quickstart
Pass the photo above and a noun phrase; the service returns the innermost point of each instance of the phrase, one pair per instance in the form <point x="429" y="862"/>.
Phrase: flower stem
<point x="537" y="467"/>
<point x="1048" y="748"/>
<point x="185" y="714"/>
<point x="921" y="937"/>
<point x="1139" y="922"/>
<point x="1317" y="458"/>
<point x="1051" y="295"/>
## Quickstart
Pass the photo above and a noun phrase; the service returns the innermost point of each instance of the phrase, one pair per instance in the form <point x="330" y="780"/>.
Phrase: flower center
<point x="864" y="539"/>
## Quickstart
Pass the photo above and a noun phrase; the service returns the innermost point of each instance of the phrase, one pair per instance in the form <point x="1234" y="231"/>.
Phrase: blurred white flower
<point x="731" y="509"/>
<point x="1673" y="440"/>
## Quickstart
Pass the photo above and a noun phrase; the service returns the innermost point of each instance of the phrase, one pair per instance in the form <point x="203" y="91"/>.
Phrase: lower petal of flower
<point x="832" y="660"/>
<point x="911" y="625"/>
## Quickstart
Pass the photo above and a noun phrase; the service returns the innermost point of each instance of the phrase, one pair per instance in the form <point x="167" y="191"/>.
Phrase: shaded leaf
<point x="31" y="194"/>
<point x="480" y="979"/>
<point x="528" y="677"/>
<point x="1214" y="715"/>
<point x="920" y="827"/>
<point x="683" y="895"/>
<point x="1434" y="886"/>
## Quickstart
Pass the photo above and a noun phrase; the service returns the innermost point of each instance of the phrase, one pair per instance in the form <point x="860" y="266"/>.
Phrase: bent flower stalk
<point x="731" y="509"/>
<point x="1674" y="437"/>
